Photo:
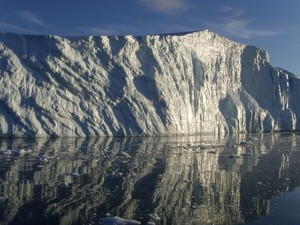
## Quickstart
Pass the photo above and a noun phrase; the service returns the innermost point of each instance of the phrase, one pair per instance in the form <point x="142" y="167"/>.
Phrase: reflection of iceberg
<point x="185" y="181"/>
<point x="277" y="172"/>
<point x="107" y="169"/>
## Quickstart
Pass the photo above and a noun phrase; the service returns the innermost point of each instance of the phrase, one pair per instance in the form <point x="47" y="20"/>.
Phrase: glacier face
<point x="152" y="85"/>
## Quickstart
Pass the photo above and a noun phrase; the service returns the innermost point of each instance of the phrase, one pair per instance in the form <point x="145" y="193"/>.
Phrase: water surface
<point x="245" y="179"/>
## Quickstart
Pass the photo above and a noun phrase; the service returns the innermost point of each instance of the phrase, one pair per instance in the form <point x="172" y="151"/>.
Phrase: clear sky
<point x="273" y="25"/>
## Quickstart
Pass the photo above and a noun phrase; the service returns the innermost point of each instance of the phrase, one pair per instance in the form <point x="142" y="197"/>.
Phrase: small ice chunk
<point x="116" y="221"/>
<point x="43" y="160"/>
<point x="22" y="151"/>
<point x="154" y="217"/>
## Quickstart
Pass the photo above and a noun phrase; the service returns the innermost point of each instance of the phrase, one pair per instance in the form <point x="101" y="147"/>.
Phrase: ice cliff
<point x="151" y="85"/>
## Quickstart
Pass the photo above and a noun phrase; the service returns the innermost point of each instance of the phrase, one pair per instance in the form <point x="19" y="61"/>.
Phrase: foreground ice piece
<point x="151" y="85"/>
<point x="116" y="221"/>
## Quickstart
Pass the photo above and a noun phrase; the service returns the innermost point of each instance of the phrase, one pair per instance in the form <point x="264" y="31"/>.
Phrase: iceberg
<point x="173" y="84"/>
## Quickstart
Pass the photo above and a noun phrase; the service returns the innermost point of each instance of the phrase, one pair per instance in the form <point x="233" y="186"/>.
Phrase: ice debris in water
<point x="16" y="152"/>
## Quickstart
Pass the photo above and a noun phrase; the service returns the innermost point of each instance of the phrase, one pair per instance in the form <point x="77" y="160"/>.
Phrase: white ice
<point x="187" y="83"/>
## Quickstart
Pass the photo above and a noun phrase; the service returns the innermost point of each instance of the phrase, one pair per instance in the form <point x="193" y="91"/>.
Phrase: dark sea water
<point x="242" y="179"/>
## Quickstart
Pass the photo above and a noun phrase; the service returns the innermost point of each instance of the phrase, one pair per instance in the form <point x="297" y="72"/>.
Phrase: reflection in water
<point x="187" y="180"/>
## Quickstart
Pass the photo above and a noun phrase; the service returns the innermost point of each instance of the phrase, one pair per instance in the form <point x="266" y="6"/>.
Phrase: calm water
<point x="251" y="179"/>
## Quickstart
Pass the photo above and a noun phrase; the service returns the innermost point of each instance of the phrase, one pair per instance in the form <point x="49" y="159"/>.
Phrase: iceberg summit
<point x="187" y="83"/>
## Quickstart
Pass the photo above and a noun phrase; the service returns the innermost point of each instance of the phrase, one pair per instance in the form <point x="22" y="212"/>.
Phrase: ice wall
<point x="152" y="85"/>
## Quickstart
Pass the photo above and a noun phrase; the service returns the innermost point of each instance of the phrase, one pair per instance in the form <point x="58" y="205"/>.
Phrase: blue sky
<point x="270" y="25"/>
